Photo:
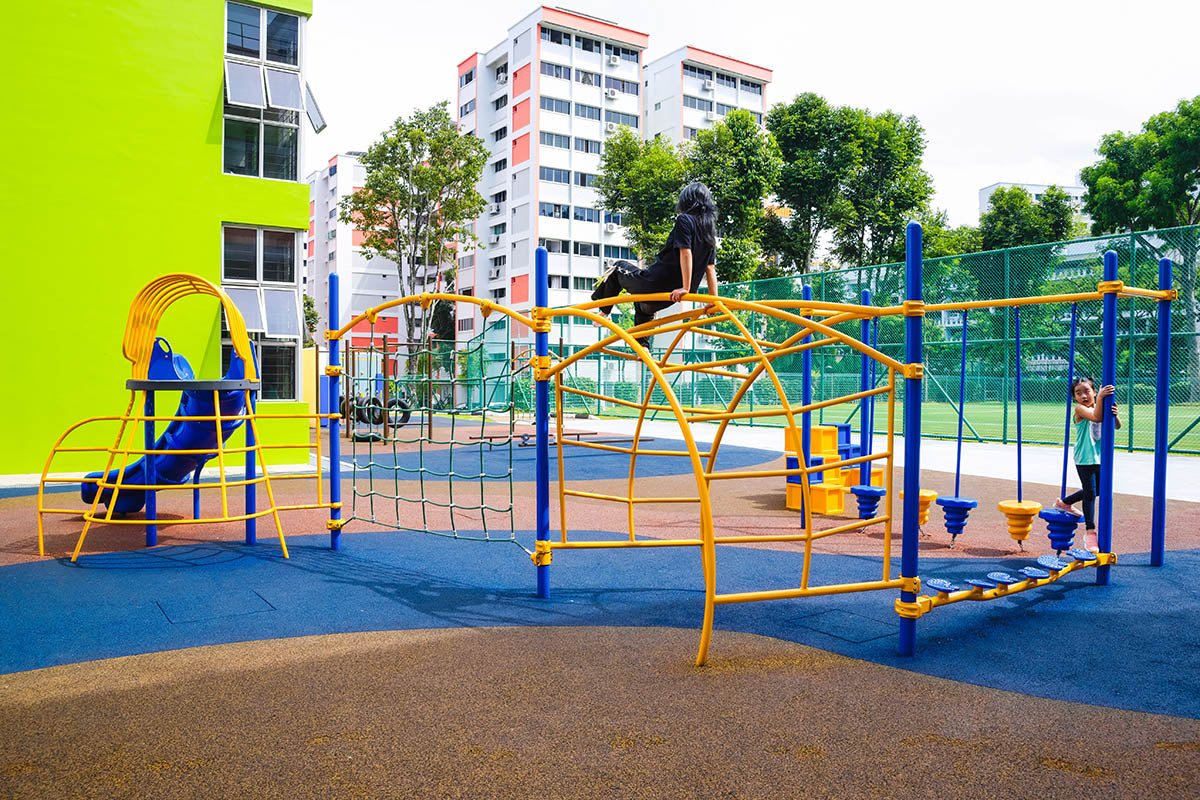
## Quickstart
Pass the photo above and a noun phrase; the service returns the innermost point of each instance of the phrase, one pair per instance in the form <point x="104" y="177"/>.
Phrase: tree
<point x="311" y="319"/>
<point x="939" y="240"/>
<point x="419" y="197"/>
<point x="821" y="146"/>
<point x="1013" y="219"/>
<point x="1151" y="179"/>
<point x="640" y="180"/>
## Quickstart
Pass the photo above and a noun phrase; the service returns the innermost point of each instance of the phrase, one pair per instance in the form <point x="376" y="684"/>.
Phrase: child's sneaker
<point x="1090" y="541"/>
<point x="1061" y="506"/>
<point x="597" y="293"/>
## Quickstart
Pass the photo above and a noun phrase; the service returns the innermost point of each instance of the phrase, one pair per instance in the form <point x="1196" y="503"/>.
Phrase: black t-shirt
<point x="666" y="265"/>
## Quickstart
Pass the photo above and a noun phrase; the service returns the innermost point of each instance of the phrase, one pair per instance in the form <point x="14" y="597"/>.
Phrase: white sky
<point x="1016" y="91"/>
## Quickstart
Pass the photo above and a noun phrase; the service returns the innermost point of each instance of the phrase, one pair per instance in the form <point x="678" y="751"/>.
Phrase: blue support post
<point x="912" y="433"/>
<point x="151" y="472"/>
<point x="806" y="392"/>
<point x="1108" y="432"/>
<point x="196" y="492"/>
<point x="541" y="344"/>
<point x="335" y="442"/>
<point x="252" y="472"/>
<point x="864" y="414"/>
<point x="1158" y="514"/>
<point x="1017" y="333"/>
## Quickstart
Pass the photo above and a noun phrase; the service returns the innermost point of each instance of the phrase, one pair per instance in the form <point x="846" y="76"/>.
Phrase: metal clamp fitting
<point x="333" y="371"/>
<point x="910" y="584"/>
<point x="915" y="609"/>
<point x="913" y="308"/>
<point x="1171" y="294"/>
<point x="331" y="335"/>
<point x="542" y="555"/>
<point x="335" y="524"/>
<point x="542" y="324"/>
<point x="372" y="317"/>
<point x="540" y="364"/>
<point x="914" y="371"/>
<point x="1110" y="287"/>
<point x="426" y="302"/>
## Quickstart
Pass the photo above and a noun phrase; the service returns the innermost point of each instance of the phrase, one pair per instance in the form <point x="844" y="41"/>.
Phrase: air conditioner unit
<point x="610" y="227"/>
<point x="502" y="78"/>
<point x="494" y="209"/>
<point x="493" y="274"/>
<point x="710" y="115"/>
<point x="611" y="127"/>
<point x="709" y="85"/>
<point x="611" y="94"/>
<point x="614" y="60"/>
<point x="496" y="239"/>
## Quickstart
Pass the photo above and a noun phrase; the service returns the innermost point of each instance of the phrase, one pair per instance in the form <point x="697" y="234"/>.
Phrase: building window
<point x="697" y="103"/>
<point x="258" y="254"/>
<point x="628" y="87"/>
<point x="556" y="71"/>
<point x="556" y="37"/>
<point x="559" y="282"/>
<point x="584" y="284"/>
<point x="499" y="261"/>
<point x="554" y="210"/>
<point x="556" y="105"/>
<point x="611" y="217"/>
<point x="554" y="175"/>
<point x="697" y="72"/>
<point x="500" y="103"/>
<point x="585" y="179"/>
<point x="751" y="87"/>
<point x="624" y="52"/>
<point x="499" y="229"/>
<point x="757" y="117"/>
<point x="689" y="133"/>
<point x="723" y="109"/>
<point x="283" y="38"/>
<point x="613" y="251"/>
<point x="500" y="197"/>
<point x="500" y="165"/>
<point x="586" y="44"/>
<point x="467" y="261"/>
<point x="587" y="112"/>
<point x="585" y="214"/>
<point x="587" y="249"/>
<point x="555" y="140"/>
<point x="587" y="78"/>
<point x="243" y="30"/>
<point x="466" y="108"/>
<point x="467" y="324"/>
<point x="726" y="80"/>
<point x="244" y="26"/>
<point x="466" y="78"/>
<point x="555" y="245"/>
<point x="498" y="294"/>
<point x="500" y="134"/>
<point x="278" y="363"/>
<point x="587" y="145"/>
<point x="621" y="119"/>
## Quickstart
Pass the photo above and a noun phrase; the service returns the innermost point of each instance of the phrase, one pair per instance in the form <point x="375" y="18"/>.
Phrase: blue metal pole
<point x="1017" y="334"/>
<point x="335" y="442"/>
<point x="196" y="492"/>
<point x="151" y="472"/>
<point x="871" y="384"/>
<point x="252" y="473"/>
<point x="1158" y="514"/>
<point x="912" y="433"/>
<point x="962" y="397"/>
<point x="864" y="414"/>
<point x="1070" y="398"/>
<point x="541" y="344"/>
<point x="1108" y="432"/>
<point x="806" y="392"/>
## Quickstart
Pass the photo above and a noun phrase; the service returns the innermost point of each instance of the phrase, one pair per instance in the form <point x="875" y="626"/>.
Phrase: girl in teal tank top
<point x="1089" y="412"/>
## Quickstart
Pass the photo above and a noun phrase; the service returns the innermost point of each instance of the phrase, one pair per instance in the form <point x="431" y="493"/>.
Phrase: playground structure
<point x="767" y="330"/>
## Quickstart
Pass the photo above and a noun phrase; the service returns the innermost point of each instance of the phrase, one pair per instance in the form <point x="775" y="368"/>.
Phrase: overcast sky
<point x="1014" y="91"/>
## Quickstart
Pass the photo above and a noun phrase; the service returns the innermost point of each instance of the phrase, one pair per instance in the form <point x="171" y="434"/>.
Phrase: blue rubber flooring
<point x="492" y="463"/>
<point x="1133" y="644"/>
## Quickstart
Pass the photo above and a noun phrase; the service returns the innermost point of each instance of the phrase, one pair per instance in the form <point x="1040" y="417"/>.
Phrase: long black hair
<point x="696" y="201"/>
<point x="1078" y="381"/>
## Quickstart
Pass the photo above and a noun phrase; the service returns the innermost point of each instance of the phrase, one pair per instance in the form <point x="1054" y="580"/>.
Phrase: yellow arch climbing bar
<point x="424" y="299"/>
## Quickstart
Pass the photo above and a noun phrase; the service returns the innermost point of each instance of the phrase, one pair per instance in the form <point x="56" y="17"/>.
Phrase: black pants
<point x="1089" y="476"/>
<point x="636" y="280"/>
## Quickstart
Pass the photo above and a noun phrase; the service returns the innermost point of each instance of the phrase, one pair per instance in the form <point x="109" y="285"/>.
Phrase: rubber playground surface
<point x="412" y="665"/>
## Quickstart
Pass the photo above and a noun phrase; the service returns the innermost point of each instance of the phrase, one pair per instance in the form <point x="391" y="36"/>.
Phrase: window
<point x="466" y="108"/>
<point x="611" y="217"/>
<point x="258" y="254"/>
<point x="621" y="119"/>
<point x="723" y="109"/>
<point x="585" y="179"/>
<point x="283" y="38"/>
<point x="499" y="229"/>
<point x="584" y="284"/>
<point x="283" y="313"/>
<point x="624" y="52"/>
<point x="556" y="105"/>
<point x="500" y="197"/>
<point x="466" y="78"/>
<point x="689" y="133"/>
<point x="499" y="261"/>
<point x="278" y="364"/>
<point x="242" y="30"/>
<point x="467" y="324"/>
<point x="585" y="214"/>
<point x="243" y="34"/>
<point x="501" y="70"/>
<point x="726" y="80"/>
<point x="556" y="37"/>
<point x="697" y="72"/>
<point x="554" y="210"/>
<point x="559" y="282"/>
<point x="613" y="251"/>
<point x="757" y="117"/>
<point x="586" y="44"/>
<point x="556" y="71"/>
<point x="751" y="87"/>
<point x="555" y="140"/>
<point x="587" y="145"/>
<point x="628" y="87"/>
<point x="587" y="78"/>
<point x="554" y="175"/>
<point x="589" y="249"/>
<point x="498" y="294"/>
<point x="587" y="112"/>
<point x="500" y="165"/>
<point x="500" y="134"/>
<point x="697" y="103"/>
<point x="555" y="245"/>
<point x="500" y="103"/>
<point x="658" y="106"/>
<point x="467" y="261"/>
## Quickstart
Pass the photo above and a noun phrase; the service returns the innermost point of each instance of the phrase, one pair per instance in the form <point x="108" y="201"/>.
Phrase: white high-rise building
<point x="1035" y="190"/>
<point x="690" y="89"/>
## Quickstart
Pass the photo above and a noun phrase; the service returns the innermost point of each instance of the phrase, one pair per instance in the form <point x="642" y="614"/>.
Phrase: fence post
<point x="1158" y="514"/>
<point x="864" y="441"/>
<point x="541" y="343"/>
<point x="912" y="435"/>
<point x="335" y="444"/>
<point x="1108" y="430"/>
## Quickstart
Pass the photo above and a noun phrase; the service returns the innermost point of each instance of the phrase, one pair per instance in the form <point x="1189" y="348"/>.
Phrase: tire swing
<point x="1063" y="524"/>
<point x="957" y="508"/>
<point x="1019" y="512"/>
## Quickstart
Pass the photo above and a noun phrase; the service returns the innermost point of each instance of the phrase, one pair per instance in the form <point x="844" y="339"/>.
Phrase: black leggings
<point x="1089" y="476"/>
<point x="636" y="280"/>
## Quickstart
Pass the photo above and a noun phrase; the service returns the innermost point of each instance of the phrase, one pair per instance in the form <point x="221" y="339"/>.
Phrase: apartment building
<point x="1035" y="190"/>
<point x="690" y="89"/>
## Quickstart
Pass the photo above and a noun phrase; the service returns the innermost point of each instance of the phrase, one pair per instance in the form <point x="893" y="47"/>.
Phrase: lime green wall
<point x="113" y="142"/>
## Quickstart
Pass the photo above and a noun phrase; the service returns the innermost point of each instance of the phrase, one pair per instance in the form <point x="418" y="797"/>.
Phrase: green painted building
<point x="146" y="137"/>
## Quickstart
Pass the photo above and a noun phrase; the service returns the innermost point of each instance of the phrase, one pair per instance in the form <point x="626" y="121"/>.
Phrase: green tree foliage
<point x="1013" y="219"/>
<point x="419" y="196"/>
<point x="939" y="240"/>
<point x="640" y="180"/>
<point x="311" y="319"/>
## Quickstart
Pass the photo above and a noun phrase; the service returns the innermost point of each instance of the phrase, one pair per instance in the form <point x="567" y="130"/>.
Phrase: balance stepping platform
<point x="1002" y="578"/>
<point x="1053" y="563"/>
<point x="1035" y="573"/>
<point x="941" y="585"/>
<point x="980" y="583"/>
<point x="1079" y="554"/>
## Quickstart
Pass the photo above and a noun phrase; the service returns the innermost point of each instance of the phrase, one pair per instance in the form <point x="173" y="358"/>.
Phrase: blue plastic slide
<point x="181" y="434"/>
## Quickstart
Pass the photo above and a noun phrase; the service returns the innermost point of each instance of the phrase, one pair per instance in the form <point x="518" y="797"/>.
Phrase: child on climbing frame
<point x="690" y="250"/>
<point x="1089" y="412"/>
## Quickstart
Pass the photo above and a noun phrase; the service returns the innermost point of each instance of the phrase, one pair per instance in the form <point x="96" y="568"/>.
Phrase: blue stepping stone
<point x="1003" y="578"/>
<point x="980" y="583"/>
<point x="1053" y="563"/>
<point x="941" y="585"/>
<point x="1034" y="572"/>
<point x="1079" y="554"/>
